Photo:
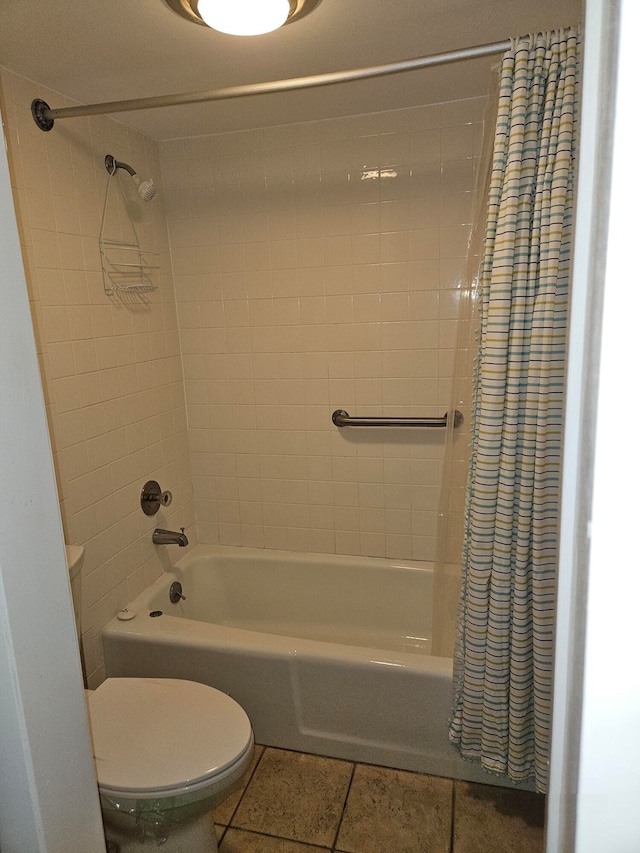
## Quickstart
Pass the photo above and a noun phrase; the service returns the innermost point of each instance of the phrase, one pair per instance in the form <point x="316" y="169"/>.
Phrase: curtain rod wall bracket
<point x="38" y="110"/>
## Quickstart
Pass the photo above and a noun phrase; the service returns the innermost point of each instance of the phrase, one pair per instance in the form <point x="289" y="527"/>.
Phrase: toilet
<point x="166" y="752"/>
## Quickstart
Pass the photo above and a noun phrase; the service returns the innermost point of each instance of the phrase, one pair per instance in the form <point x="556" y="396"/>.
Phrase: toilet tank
<point x="75" y="558"/>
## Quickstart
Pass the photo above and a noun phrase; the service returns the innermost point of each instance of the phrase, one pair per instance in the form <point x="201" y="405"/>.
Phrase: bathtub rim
<point x="305" y="557"/>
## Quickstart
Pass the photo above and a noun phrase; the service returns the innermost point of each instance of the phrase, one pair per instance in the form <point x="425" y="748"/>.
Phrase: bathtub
<point x="327" y="654"/>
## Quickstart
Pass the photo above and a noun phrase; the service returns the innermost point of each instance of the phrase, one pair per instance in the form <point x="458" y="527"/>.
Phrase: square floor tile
<point x="224" y="811"/>
<point x="239" y="841"/>
<point x="296" y="796"/>
<point x="396" y="810"/>
<point x="512" y="820"/>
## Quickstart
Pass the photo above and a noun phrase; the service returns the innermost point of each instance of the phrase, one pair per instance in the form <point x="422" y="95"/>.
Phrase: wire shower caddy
<point x="126" y="267"/>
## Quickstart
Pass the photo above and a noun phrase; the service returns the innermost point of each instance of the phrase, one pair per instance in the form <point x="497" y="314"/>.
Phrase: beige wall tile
<point x="92" y="384"/>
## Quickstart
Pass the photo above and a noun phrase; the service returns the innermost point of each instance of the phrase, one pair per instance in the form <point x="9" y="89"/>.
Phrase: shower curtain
<point x="503" y="660"/>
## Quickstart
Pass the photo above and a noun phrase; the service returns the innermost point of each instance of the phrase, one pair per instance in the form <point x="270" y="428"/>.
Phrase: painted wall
<point x="111" y="368"/>
<point x="317" y="267"/>
<point x="46" y="767"/>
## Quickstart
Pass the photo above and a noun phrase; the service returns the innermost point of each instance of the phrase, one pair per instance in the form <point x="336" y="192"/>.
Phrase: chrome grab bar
<point x="343" y="419"/>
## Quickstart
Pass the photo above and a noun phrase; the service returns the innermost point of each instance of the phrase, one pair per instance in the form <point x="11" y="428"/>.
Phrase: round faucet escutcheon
<point x="175" y="593"/>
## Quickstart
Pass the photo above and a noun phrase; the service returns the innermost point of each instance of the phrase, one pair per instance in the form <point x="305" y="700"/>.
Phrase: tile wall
<point x="111" y="368"/>
<point x="317" y="267"/>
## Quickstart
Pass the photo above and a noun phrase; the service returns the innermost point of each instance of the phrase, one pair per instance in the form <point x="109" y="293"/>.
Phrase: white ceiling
<point x="94" y="51"/>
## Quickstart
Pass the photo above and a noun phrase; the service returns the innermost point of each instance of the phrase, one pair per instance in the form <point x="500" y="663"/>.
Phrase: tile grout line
<point x="244" y="791"/>
<point x="452" y="839"/>
<point x="258" y="834"/>
<point x="344" y="806"/>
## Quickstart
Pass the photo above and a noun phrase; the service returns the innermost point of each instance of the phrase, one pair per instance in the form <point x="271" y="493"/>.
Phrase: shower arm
<point x="44" y="116"/>
<point x="112" y="165"/>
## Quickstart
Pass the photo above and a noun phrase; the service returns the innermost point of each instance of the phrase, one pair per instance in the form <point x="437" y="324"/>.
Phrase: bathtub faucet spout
<point x="169" y="537"/>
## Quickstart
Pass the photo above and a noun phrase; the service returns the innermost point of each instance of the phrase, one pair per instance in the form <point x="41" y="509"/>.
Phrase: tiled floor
<point x="292" y="802"/>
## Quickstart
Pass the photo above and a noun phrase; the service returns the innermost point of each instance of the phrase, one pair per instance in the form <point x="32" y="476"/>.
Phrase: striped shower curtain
<point x="503" y="664"/>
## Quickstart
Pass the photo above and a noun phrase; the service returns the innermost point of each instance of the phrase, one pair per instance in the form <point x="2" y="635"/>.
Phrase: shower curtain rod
<point x="44" y="116"/>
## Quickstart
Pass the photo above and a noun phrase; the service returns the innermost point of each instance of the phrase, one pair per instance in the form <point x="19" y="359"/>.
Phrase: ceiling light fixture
<point x="242" y="17"/>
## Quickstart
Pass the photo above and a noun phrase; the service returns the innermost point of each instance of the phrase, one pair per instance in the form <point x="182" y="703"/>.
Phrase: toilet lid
<point x="157" y="734"/>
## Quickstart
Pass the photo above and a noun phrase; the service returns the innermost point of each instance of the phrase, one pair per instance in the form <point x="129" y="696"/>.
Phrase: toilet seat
<point x="163" y="737"/>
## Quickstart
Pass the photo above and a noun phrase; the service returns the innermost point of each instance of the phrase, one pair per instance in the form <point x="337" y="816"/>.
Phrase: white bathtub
<point x="329" y="655"/>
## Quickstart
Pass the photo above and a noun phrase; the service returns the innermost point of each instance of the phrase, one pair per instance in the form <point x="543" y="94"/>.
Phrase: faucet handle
<point x="175" y="593"/>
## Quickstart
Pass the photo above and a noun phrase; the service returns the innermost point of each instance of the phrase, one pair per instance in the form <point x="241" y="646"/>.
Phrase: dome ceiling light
<point x="242" y="17"/>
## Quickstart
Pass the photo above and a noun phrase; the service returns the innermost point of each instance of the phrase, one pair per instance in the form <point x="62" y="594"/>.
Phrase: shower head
<point x="146" y="189"/>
